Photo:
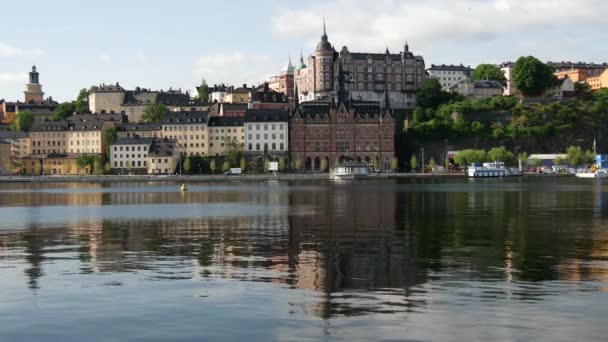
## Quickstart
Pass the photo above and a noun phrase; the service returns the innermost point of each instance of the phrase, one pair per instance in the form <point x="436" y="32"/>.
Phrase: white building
<point x="266" y="130"/>
<point x="448" y="75"/>
<point x="507" y="70"/>
<point x="130" y="153"/>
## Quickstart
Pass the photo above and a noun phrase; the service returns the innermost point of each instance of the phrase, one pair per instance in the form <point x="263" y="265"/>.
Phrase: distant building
<point x="52" y="164"/>
<point x="139" y="130"/>
<point x="5" y="156"/>
<point x="131" y="153"/>
<point x="217" y="93"/>
<point x="237" y="95"/>
<point x="598" y="82"/>
<point x="189" y="132"/>
<point x="225" y="132"/>
<point x="42" y="109"/>
<point x="284" y="82"/>
<point x="562" y="88"/>
<point x="477" y="89"/>
<point x="367" y="75"/>
<point x="507" y="69"/>
<point x="266" y="132"/>
<point x="33" y="92"/>
<point x="263" y="97"/>
<point x="163" y="157"/>
<point x="449" y="75"/>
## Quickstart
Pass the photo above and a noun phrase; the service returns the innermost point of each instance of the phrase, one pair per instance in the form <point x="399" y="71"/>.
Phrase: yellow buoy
<point x="183" y="187"/>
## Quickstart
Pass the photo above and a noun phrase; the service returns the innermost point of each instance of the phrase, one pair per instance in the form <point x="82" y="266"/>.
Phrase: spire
<point x="341" y="80"/>
<point x="324" y="30"/>
<point x="387" y="52"/>
<point x="407" y="47"/>
<point x="296" y="98"/>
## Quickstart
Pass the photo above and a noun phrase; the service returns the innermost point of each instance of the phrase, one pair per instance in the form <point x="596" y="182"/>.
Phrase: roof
<point x="450" y="67"/>
<point x="186" y="117"/>
<point x="54" y="156"/>
<point x="139" y="127"/>
<point x="547" y="156"/>
<point x="134" y="141"/>
<point x="226" y="121"/>
<point x="49" y="126"/>
<point x="107" y="88"/>
<point x="12" y="135"/>
<point x="4" y="142"/>
<point x="234" y="106"/>
<point x="375" y="56"/>
<point x="162" y="148"/>
<point x="266" y="115"/>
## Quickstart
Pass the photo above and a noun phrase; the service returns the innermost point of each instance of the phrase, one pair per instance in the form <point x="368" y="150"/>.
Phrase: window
<point x="282" y="147"/>
<point x="274" y="146"/>
<point x="250" y="146"/>
<point x="257" y="147"/>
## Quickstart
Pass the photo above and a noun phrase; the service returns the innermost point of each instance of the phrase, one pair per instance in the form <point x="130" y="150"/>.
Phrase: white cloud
<point x="105" y="59"/>
<point x="8" y="51"/>
<point x="13" y="77"/>
<point x="373" y="25"/>
<point x="235" y="68"/>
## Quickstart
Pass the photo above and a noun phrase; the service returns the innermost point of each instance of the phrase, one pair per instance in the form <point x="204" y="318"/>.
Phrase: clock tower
<point x="33" y="91"/>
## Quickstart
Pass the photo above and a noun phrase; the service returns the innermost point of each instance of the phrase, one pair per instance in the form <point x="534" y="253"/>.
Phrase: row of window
<point x="273" y="147"/>
<point x="273" y="136"/>
<point x="127" y="156"/>
<point x="132" y="148"/>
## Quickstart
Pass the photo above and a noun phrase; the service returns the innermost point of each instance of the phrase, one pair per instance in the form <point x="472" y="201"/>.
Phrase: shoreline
<point x="204" y="178"/>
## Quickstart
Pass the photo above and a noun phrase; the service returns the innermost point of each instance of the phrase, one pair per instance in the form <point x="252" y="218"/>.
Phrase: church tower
<point x="33" y="91"/>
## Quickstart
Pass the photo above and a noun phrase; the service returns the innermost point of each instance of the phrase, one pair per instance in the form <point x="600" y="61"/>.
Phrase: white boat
<point x="350" y="171"/>
<point x="487" y="170"/>
<point x="593" y="174"/>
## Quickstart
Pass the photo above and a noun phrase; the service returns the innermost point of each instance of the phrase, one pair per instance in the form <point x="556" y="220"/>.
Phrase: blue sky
<point x="174" y="44"/>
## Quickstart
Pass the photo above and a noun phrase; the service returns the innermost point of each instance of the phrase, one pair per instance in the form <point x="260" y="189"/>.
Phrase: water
<point x="420" y="260"/>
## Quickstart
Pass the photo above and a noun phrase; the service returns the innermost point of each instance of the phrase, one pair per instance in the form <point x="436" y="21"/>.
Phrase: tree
<point x="129" y="167"/>
<point x="109" y="137"/>
<point x="430" y="94"/>
<point x="97" y="168"/>
<point x="212" y="166"/>
<point x="282" y="164"/>
<point x="234" y="150"/>
<point x="531" y="76"/>
<point x="501" y="154"/>
<point x="298" y="165"/>
<point x="492" y="72"/>
<point x="226" y="166"/>
<point x="154" y="113"/>
<point x="413" y="162"/>
<point x="266" y="166"/>
<point x="432" y="163"/>
<point x="22" y="121"/>
<point x="575" y="155"/>
<point x="64" y="110"/>
<point x="324" y="165"/>
<point x="187" y="165"/>
<point x="376" y="164"/>
<point x="558" y="161"/>
<point x="107" y="168"/>
<point x="394" y="165"/>
<point x="523" y="156"/>
<point x="203" y="91"/>
<point x="84" y="160"/>
<point x="538" y="162"/>
<point x="243" y="164"/>
<point x="82" y="102"/>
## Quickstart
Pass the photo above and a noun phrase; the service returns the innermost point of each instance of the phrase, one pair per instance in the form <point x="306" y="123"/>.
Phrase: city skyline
<point x="245" y="42"/>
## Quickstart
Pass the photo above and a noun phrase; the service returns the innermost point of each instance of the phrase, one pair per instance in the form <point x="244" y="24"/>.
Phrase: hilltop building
<point x="42" y="109"/>
<point x="367" y="75"/>
<point x="450" y="75"/>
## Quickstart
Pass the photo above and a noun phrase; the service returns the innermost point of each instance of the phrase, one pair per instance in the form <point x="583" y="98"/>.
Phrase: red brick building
<point x="347" y="130"/>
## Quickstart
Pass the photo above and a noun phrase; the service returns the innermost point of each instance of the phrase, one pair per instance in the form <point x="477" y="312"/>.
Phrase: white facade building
<point x="507" y="70"/>
<point x="266" y="130"/>
<point x="130" y="153"/>
<point x="449" y="75"/>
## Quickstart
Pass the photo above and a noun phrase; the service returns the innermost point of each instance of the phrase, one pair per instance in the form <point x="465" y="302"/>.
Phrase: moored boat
<point x="350" y="171"/>
<point x="487" y="170"/>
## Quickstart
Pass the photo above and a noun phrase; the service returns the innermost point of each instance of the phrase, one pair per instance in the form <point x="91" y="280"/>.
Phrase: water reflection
<point x="396" y="248"/>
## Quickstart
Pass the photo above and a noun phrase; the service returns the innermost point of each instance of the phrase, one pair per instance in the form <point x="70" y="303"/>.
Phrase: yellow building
<point x="189" y="130"/>
<point x="52" y="164"/>
<point x="238" y="95"/>
<point x="598" y="82"/>
<point x="223" y="131"/>
<point x="139" y="130"/>
<point x="5" y="156"/>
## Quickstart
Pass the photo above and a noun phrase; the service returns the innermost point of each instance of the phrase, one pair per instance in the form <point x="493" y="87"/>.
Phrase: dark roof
<point x="322" y="108"/>
<point x="186" y="117"/>
<point x="54" y="155"/>
<point x="4" y="142"/>
<point x="12" y="135"/>
<point x="49" y="126"/>
<point x="266" y="115"/>
<point x="107" y="88"/>
<point x="139" y="127"/>
<point x="444" y="67"/>
<point x="134" y="141"/>
<point x="234" y="106"/>
<point x="88" y="118"/>
<point x="375" y="56"/>
<point x="162" y="148"/>
<point x="488" y="84"/>
<point x="222" y="121"/>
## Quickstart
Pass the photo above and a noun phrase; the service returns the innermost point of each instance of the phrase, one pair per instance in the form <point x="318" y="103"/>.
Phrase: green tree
<point x="430" y="94"/>
<point x="489" y="72"/>
<point x="575" y="155"/>
<point x="501" y="154"/>
<point x="129" y="168"/>
<point x="413" y="162"/>
<point x="281" y="164"/>
<point x="234" y="150"/>
<point x="109" y="137"/>
<point x="213" y="166"/>
<point x="394" y="164"/>
<point x="63" y="111"/>
<point x="107" y="168"/>
<point x="531" y="76"/>
<point x="97" y="166"/>
<point x="266" y="166"/>
<point x="22" y="121"/>
<point x="298" y="165"/>
<point x="154" y="113"/>
<point x="432" y="163"/>
<point x="187" y="165"/>
<point x="523" y="156"/>
<point x="558" y="161"/>
<point x="324" y="165"/>
<point x="203" y="91"/>
<point x="376" y="164"/>
<point x="82" y="102"/>
<point x="538" y="162"/>
<point x="226" y="166"/>
<point x="243" y="164"/>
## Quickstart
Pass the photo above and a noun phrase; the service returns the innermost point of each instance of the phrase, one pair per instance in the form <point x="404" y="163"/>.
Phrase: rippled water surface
<point x="391" y="260"/>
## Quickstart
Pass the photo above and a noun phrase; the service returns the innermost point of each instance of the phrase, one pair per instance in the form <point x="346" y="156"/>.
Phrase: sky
<point x="176" y="44"/>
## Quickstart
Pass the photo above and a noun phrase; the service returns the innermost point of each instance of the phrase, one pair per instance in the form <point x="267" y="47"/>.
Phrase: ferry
<point x="350" y="171"/>
<point x="487" y="170"/>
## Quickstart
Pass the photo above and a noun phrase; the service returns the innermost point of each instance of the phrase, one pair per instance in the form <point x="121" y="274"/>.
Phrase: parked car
<point x="233" y="171"/>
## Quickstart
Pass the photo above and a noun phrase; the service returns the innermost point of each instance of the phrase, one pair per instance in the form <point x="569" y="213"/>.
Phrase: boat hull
<point x="349" y="177"/>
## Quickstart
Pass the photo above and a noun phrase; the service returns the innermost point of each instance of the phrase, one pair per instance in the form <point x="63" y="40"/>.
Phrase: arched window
<point x="266" y="147"/>
<point x="282" y="147"/>
<point x="257" y="147"/>
<point x="274" y="146"/>
<point x="250" y="146"/>
<point x="139" y="163"/>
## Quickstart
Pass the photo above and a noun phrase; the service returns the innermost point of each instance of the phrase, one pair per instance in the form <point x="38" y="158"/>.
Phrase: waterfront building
<point x="163" y="157"/>
<point x="5" y="156"/>
<point x="131" y="154"/>
<point x="266" y="132"/>
<point x="52" y="164"/>
<point x="367" y="75"/>
<point x="189" y="131"/>
<point x="342" y="130"/>
<point x="19" y="144"/>
<point x="225" y="133"/>
<point x="450" y="75"/>
<point x="477" y="89"/>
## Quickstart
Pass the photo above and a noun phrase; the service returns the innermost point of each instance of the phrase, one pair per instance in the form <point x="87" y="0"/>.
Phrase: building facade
<point x="477" y="89"/>
<point x="266" y="132"/>
<point x="225" y="133"/>
<point x="33" y="91"/>
<point x="598" y="82"/>
<point x="139" y="130"/>
<point x="163" y="157"/>
<point x="284" y="82"/>
<point x="449" y="75"/>
<point x="19" y="144"/>
<point x="367" y="75"/>
<point x="189" y="132"/>
<point x="130" y="154"/>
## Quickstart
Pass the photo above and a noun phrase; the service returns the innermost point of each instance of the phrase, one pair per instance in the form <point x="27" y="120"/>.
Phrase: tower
<point x="324" y="65"/>
<point x="33" y="91"/>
